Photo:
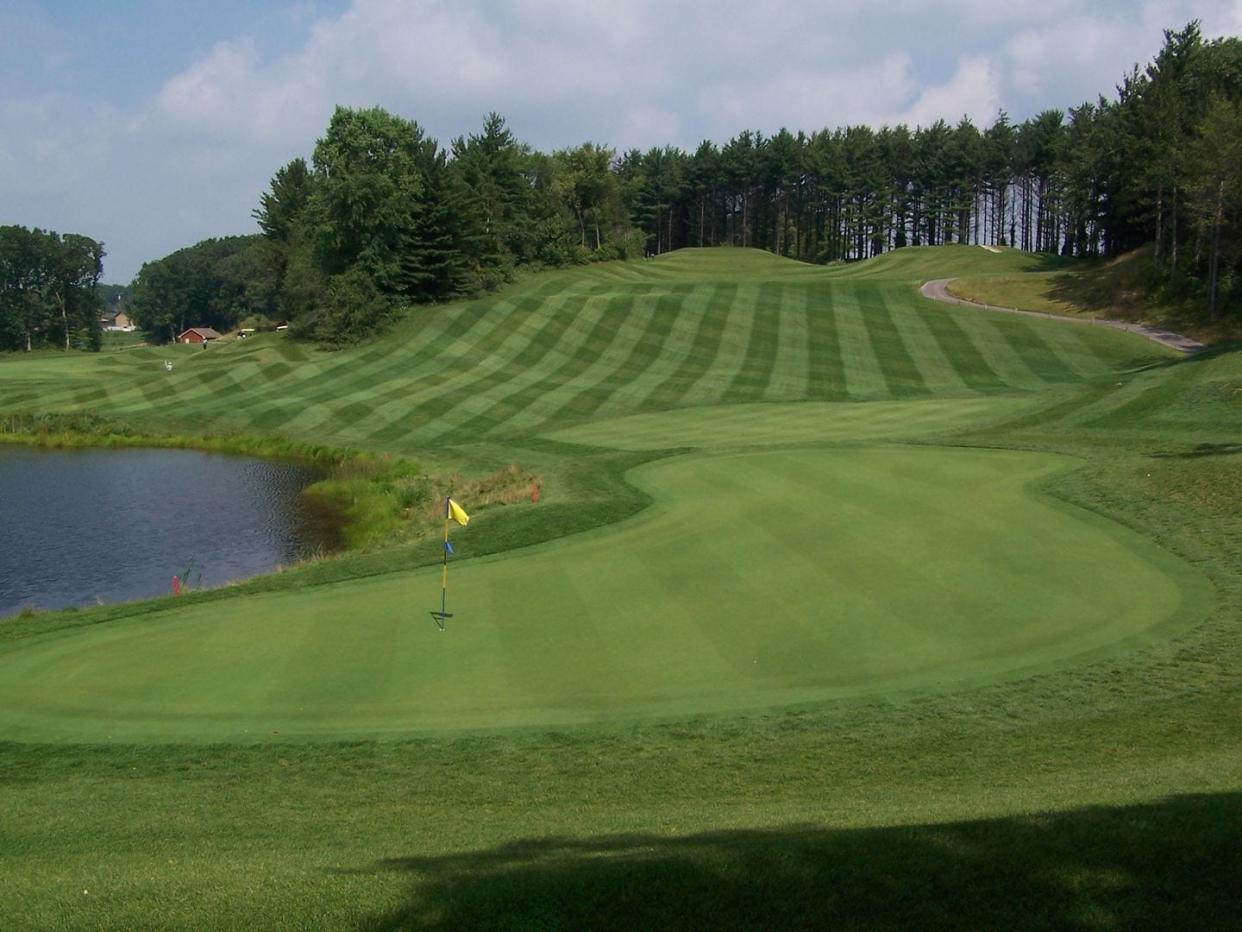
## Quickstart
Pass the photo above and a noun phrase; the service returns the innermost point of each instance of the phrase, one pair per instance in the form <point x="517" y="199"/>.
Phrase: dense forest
<point x="220" y="283"/>
<point x="49" y="294"/>
<point x="383" y="217"/>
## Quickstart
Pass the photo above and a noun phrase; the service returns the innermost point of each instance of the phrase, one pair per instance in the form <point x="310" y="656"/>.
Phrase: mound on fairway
<point x="757" y="579"/>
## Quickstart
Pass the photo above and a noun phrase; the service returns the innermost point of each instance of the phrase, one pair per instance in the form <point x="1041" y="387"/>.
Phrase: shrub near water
<point x="88" y="429"/>
<point x="386" y="502"/>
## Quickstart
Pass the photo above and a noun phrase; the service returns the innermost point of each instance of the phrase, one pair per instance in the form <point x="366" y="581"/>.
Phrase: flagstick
<point x="443" y="613"/>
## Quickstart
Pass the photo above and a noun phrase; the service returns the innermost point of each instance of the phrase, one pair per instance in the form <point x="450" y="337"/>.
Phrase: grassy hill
<point x="1117" y="289"/>
<point x="842" y="607"/>
<point x="695" y="328"/>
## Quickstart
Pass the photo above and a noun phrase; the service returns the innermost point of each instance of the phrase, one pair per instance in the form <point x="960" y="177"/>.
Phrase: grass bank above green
<point x="1113" y="289"/>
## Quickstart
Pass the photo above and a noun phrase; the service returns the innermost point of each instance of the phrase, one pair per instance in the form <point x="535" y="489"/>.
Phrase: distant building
<point x="198" y="335"/>
<point x="118" y="322"/>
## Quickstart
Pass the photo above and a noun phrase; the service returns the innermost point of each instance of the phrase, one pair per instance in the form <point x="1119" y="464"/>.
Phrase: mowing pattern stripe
<point x="578" y="345"/>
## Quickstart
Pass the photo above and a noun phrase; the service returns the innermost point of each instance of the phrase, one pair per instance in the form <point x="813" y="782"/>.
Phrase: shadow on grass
<point x="1167" y="865"/>
<point x="1088" y="294"/>
<point x="1126" y="288"/>
<point x="1202" y="450"/>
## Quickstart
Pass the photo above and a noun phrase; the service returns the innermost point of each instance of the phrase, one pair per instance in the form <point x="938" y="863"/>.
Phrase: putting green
<point x="756" y="580"/>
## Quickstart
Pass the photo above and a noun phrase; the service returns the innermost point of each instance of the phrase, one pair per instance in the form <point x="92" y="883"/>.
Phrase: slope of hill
<point x="1115" y="289"/>
<point x="695" y="328"/>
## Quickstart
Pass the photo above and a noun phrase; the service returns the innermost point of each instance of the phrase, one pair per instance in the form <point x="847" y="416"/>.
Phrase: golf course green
<point x="829" y="588"/>
<point x="754" y="580"/>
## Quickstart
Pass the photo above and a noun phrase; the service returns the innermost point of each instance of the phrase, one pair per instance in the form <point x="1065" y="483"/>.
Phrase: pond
<point x="84" y="527"/>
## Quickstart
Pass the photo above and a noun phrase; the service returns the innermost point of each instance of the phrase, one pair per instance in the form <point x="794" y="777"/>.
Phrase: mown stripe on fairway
<point x="900" y="372"/>
<point x="189" y="392"/>
<point x="937" y="371"/>
<point x="643" y="353"/>
<point x="864" y="379"/>
<point x="592" y="332"/>
<point x="1025" y="335"/>
<point x="1129" y="406"/>
<point x="1075" y="351"/>
<point x="89" y="394"/>
<point x="437" y="397"/>
<point x="275" y="371"/>
<point x="447" y="347"/>
<point x="243" y="390"/>
<point x="635" y="313"/>
<point x="410" y="401"/>
<point x="958" y="348"/>
<point x="789" y="380"/>
<point x="825" y="370"/>
<point x="730" y="350"/>
<point x="155" y="392"/>
<point x="993" y="343"/>
<point x="804" y="422"/>
<point x="688" y="318"/>
<point x="702" y="349"/>
<point x="338" y="379"/>
<point x="755" y="373"/>
<point x="147" y="394"/>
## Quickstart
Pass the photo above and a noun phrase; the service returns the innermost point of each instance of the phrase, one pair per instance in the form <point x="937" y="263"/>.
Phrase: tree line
<point x="382" y="216"/>
<point x="1160" y="164"/>
<point x="220" y="283"/>
<point x="49" y="295"/>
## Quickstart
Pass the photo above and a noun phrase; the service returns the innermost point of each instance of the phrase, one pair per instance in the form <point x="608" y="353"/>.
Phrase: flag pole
<point x="443" y="613"/>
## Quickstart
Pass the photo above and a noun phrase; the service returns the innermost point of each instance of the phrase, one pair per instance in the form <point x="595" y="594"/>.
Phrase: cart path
<point x="938" y="290"/>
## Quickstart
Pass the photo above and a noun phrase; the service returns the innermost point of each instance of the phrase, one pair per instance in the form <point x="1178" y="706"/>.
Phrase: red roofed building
<point x="198" y="335"/>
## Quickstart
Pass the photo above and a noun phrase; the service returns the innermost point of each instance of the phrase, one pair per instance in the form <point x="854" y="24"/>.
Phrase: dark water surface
<point x="86" y="526"/>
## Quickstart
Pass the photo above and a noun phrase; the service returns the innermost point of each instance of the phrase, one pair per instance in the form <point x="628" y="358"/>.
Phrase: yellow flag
<point x="457" y="513"/>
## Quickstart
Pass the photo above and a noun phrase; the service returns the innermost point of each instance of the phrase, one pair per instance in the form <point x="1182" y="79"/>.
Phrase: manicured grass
<point x="984" y="675"/>
<point x="115" y="340"/>
<point x="755" y="580"/>
<point x="692" y="329"/>
<point x="736" y="426"/>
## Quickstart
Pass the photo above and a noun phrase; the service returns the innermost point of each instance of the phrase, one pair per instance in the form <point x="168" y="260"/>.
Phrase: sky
<point x="153" y="124"/>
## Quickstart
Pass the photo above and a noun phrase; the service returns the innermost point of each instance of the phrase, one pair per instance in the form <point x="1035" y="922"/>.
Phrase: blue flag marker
<point x="448" y="548"/>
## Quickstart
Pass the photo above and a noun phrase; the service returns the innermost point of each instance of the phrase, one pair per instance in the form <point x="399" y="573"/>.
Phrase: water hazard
<point x="84" y="527"/>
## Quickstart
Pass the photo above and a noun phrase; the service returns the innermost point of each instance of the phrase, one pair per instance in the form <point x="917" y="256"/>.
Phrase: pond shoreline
<point x="319" y="499"/>
<point x="97" y="526"/>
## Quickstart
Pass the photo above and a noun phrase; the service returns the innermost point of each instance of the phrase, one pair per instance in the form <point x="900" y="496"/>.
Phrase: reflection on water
<point x="85" y="526"/>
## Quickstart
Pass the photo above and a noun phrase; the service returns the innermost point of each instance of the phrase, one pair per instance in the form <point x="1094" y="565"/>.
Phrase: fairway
<point x="806" y="422"/>
<point x="692" y="329"/>
<point x="756" y="580"/>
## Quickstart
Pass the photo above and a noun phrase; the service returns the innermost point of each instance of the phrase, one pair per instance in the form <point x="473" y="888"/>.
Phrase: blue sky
<point x="151" y="125"/>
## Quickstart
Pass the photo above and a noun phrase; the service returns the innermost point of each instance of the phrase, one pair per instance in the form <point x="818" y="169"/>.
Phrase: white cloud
<point x="885" y="93"/>
<point x="1229" y="24"/>
<point x="646" y="127"/>
<point x="1073" y="46"/>
<point x="972" y="92"/>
